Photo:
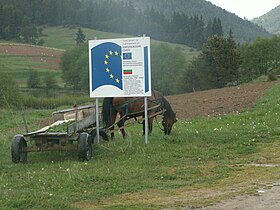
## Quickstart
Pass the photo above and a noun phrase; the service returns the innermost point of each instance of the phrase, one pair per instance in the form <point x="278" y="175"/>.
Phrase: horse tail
<point x="107" y="108"/>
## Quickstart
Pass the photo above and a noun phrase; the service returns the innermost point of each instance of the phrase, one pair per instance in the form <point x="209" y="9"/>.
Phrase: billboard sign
<point x="120" y="67"/>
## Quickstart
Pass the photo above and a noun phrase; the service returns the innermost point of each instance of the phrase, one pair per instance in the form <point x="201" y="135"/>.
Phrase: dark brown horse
<point x="134" y="107"/>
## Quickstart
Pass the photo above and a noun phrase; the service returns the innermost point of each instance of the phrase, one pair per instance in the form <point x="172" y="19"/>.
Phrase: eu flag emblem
<point x="127" y="56"/>
<point x="107" y="64"/>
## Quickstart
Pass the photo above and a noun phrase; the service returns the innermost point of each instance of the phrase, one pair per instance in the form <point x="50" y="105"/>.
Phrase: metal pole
<point x="97" y="114"/>
<point x="97" y="119"/>
<point x="146" y="121"/>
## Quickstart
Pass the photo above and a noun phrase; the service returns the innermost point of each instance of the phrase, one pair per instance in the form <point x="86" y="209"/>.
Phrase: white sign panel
<point x="120" y="67"/>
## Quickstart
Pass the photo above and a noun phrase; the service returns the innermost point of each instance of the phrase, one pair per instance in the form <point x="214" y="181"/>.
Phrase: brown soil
<point x="49" y="57"/>
<point x="216" y="102"/>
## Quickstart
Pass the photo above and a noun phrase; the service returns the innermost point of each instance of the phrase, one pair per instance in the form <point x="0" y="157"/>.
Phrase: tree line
<point x="21" y="20"/>
<point x="17" y="26"/>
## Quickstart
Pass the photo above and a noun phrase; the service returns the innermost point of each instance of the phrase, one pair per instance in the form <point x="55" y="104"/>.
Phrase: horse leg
<point x="121" y="126"/>
<point x="113" y="119"/>
<point x="150" y="125"/>
<point x="112" y="133"/>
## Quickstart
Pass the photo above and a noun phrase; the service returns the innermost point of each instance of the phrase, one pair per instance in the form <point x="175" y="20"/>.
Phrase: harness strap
<point x="125" y="105"/>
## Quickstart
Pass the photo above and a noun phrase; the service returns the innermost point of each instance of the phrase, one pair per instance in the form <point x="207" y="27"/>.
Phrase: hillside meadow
<point x="64" y="38"/>
<point x="19" y="63"/>
<point x="203" y="161"/>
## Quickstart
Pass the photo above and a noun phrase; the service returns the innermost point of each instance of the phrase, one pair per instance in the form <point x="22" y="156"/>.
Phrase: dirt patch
<point x="267" y="199"/>
<point x="216" y="102"/>
<point x="49" y="57"/>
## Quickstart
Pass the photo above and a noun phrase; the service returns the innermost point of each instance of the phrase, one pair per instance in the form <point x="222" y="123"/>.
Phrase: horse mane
<point x="166" y="105"/>
<point x="169" y="111"/>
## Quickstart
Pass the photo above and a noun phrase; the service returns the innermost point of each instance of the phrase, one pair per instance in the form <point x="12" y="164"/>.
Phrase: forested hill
<point x="188" y="22"/>
<point x="270" y="21"/>
<point x="243" y="30"/>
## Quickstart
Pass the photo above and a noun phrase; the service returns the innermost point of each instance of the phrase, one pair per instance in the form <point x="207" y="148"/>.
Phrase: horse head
<point x="168" y="122"/>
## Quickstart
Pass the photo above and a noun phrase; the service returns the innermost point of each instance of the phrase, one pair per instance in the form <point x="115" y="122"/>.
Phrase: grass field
<point x="203" y="161"/>
<point x="19" y="67"/>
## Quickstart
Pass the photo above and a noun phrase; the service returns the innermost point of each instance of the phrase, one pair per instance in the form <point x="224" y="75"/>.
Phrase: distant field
<point x="64" y="38"/>
<point x="19" y="59"/>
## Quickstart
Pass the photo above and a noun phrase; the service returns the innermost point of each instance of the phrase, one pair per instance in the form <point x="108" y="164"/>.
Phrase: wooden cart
<point x="79" y="124"/>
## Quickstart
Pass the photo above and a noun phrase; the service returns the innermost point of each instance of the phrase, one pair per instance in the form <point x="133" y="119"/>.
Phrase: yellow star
<point x="111" y="76"/>
<point x="110" y="52"/>
<point x="106" y="62"/>
<point x="116" y="53"/>
<point x="107" y="56"/>
<point x="107" y="70"/>
<point x="117" y="81"/>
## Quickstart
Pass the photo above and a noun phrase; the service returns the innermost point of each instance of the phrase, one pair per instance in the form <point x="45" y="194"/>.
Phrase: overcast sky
<point x="247" y="8"/>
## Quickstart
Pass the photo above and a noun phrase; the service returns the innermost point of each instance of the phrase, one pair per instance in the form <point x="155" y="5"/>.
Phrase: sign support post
<point x="146" y="120"/>
<point x="97" y="119"/>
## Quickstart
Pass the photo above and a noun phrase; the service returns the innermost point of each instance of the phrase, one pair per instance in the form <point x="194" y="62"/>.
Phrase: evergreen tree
<point x="80" y="37"/>
<point x="195" y="37"/>
<point x="221" y="55"/>
<point x="29" y="32"/>
<point x="216" y="66"/>
<point x="217" y="28"/>
<point x="1" y="21"/>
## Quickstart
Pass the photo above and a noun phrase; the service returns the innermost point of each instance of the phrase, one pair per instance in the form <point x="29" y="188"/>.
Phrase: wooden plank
<point x="44" y="129"/>
<point x="81" y="110"/>
<point x="57" y="147"/>
<point x="80" y="125"/>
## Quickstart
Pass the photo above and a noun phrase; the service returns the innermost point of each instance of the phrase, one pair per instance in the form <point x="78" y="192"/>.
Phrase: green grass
<point x="64" y="38"/>
<point x="19" y="67"/>
<point x="203" y="161"/>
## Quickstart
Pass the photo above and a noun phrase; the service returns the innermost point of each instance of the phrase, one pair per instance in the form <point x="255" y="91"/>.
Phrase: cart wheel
<point x="18" y="149"/>
<point x="84" y="147"/>
<point x="102" y="135"/>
